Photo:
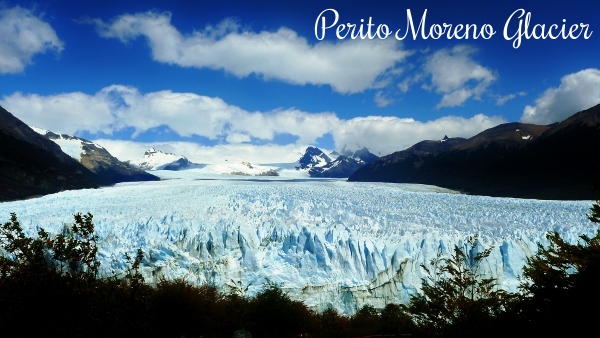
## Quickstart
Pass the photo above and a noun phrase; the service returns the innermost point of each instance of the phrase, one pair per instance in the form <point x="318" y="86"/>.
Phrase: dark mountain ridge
<point x="32" y="165"/>
<point x="559" y="161"/>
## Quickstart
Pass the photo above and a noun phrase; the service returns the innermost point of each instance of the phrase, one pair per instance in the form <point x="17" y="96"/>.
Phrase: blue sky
<point x="250" y="79"/>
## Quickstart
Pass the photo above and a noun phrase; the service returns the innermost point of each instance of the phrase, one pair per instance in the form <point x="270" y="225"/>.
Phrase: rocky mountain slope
<point x="558" y="161"/>
<point x="97" y="159"/>
<point x="31" y="165"/>
<point x="319" y="164"/>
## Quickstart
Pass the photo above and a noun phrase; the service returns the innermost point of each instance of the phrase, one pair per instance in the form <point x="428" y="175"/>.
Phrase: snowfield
<point x="327" y="242"/>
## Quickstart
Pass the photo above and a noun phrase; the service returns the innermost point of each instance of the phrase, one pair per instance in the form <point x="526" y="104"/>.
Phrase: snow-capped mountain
<point x="155" y="159"/>
<point x="334" y="155"/>
<point x="95" y="158"/>
<point x="313" y="158"/>
<point x="31" y="165"/>
<point x="320" y="165"/>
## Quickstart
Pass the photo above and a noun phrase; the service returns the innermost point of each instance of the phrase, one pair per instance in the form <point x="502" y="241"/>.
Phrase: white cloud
<point x="22" y="35"/>
<point x="387" y="134"/>
<point x="116" y="107"/>
<point x="381" y="100"/>
<point x="271" y="153"/>
<point x="348" y="66"/>
<point x="502" y="99"/>
<point x="457" y="76"/>
<point x="236" y="138"/>
<point x="577" y="91"/>
<point x="64" y="113"/>
<point x="381" y="134"/>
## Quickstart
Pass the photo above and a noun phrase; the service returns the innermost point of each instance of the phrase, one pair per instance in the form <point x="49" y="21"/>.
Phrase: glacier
<point x="326" y="242"/>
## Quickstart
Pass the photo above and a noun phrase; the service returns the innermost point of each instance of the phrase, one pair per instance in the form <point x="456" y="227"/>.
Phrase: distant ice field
<point x="326" y="242"/>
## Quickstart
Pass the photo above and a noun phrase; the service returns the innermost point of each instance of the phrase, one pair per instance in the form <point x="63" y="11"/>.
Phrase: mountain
<point x="321" y="165"/>
<point x="313" y="158"/>
<point x="96" y="158"/>
<point x="508" y="134"/>
<point x="509" y="160"/>
<point x="334" y="155"/>
<point x="155" y="159"/>
<point x="364" y="156"/>
<point x="386" y="168"/>
<point x="32" y="165"/>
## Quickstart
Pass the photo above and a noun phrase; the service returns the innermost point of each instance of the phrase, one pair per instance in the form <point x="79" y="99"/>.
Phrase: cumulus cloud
<point x="577" y="91"/>
<point x="269" y="153"/>
<point x="22" y="35"/>
<point x="348" y="66"/>
<point x="64" y="113"/>
<point x="238" y="138"/>
<point x="387" y="134"/>
<point x="381" y="134"/>
<point x="117" y="107"/>
<point x="457" y="76"/>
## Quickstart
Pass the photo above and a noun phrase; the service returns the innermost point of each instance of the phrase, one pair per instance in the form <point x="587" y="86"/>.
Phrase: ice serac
<point x="326" y="242"/>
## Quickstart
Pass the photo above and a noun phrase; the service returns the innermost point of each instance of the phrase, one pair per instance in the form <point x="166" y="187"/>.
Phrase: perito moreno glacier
<point x="325" y="242"/>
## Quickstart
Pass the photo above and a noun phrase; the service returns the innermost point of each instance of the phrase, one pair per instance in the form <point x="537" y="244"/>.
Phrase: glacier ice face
<point x="327" y="242"/>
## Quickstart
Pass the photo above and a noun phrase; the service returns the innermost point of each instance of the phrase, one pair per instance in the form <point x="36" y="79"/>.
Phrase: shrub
<point x="457" y="300"/>
<point x="274" y="314"/>
<point x="365" y="321"/>
<point x="560" y="284"/>
<point x="396" y="320"/>
<point x="332" y="324"/>
<point x="49" y="285"/>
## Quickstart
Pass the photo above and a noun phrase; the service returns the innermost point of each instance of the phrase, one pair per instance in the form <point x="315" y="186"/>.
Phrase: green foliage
<point x="53" y="282"/>
<point x="457" y="299"/>
<point x="274" y="314"/>
<point x="561" y="282"/>
<point x="396" y="320"/>
<point x="594" y="216"/>
<point x="71" y="253"/>
<point x="178" y="308"/>
<point x="332" y="324"/>
<point x="365" y="321"/>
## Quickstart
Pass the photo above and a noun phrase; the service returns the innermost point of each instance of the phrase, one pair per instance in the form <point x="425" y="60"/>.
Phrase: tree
<point x="365" y="321"/>
<point x="456" y="298"/>
<point x="594" y="216"/>
<point x="561" y="283"/>
<point x="274" y="314"/>
<point x="71" y="253"/>
<point x="53" y="282"/>
<point x="332" y="324"/>
<point x="396" y="320"/>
